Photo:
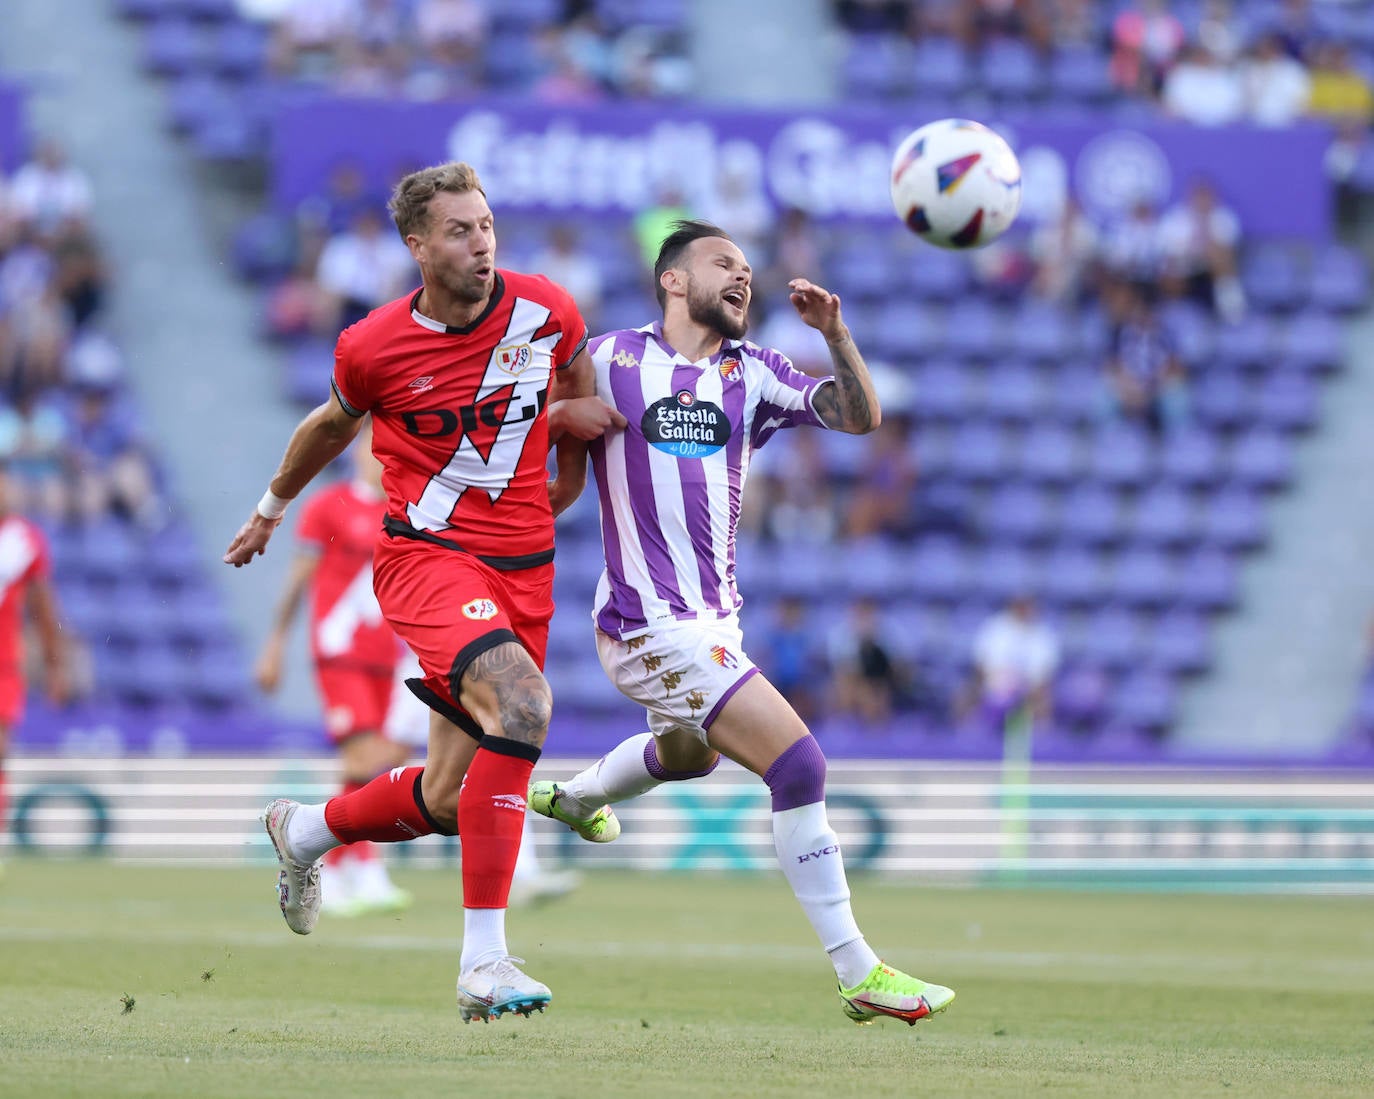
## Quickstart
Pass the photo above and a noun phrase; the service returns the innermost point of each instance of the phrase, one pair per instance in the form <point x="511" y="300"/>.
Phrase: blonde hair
<point x="409" y="203"/>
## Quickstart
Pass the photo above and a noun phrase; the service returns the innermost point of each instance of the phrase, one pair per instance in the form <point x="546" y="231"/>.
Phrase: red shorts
<point x="450" y="608"/>
<point x="11" y="699"/>
<point x="355" y="700"/>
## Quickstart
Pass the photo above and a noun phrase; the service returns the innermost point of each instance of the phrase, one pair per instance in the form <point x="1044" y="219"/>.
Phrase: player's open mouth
<point x="735" y="297"/>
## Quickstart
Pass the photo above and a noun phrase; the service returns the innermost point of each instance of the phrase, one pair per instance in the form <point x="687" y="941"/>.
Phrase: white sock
<point x="619" y="775"/>
<point x="527" y="860"/>
<point x="484" y="937"/>
<point x="307" y="834"/>
<point x="809" y="854"/>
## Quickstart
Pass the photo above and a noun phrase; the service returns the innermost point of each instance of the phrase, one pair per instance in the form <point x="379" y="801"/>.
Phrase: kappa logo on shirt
<point x="479" y="609"/>
<point x="514" y="358"/>
<point x="624" y="358"/>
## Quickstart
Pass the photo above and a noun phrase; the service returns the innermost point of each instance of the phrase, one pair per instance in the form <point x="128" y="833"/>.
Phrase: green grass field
<point x="162" y="982"/>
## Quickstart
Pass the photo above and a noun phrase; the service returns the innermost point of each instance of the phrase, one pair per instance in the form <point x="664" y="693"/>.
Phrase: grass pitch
<point x="171" y="982"/>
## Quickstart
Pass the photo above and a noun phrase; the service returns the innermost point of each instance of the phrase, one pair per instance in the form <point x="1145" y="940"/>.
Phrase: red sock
<point x="491" y="815"/>
<point x="388" y="809"/>
<point x="360" y="851"/>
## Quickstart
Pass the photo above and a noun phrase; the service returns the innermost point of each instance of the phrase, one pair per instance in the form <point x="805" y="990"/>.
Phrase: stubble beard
<point x="710" y="312"/>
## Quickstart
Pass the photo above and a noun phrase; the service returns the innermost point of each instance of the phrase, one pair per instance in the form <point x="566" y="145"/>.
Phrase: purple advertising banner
<point x="615" y="160"/>
<point x="11" y="127"/>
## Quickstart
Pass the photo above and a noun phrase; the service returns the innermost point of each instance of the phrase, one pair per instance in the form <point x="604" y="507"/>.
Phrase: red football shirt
<point x="24" y="558"/>
<point x="341" y="524"/>
<point x="459" y="421"/>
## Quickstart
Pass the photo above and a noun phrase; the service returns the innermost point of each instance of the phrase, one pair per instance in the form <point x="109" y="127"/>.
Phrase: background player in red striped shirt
<point x="459" y="377"/>
<point x="355" y="655"/>
<point x="25" y="589"/>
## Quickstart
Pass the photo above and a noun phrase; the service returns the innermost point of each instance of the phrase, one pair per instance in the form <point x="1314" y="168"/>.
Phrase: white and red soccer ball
<point x="956" y="184"/>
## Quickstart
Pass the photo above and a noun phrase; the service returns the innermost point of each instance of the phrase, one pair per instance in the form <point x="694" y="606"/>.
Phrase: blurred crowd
<point x="68" y="432"/>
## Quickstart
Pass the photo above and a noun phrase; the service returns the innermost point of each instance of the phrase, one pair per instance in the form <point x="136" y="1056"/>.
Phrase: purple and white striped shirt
<point x="670" y="483"/>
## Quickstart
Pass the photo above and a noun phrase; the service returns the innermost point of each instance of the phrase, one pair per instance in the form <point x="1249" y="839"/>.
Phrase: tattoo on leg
<point x="522" y="695"/>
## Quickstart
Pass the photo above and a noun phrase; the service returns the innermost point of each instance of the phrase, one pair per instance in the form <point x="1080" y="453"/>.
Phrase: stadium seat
<point x="1111" y="638"/>
<point x="1191" y="458"/>
<point x="1249" y="342"/>
<point x="934" y="274"/>
<point x="1287" y="401"/>
<point x="1261" y="458"/>
<point x="1044" y="332"/>
<point x="1144" y="578"/>
<point x="940" y="66"/>
<point x="979" y="451"/>
<point x="174" y="46"/>
<point x="1312" y="339"/>
<point x="1091" y="514"/>
<point x="1050" y="453"/>
<point x="1073" y="577"/>
<point x="1274" y="277"/>
<point x="1164" y="516"/>
<point x="944" y="390"/>
<point x="1010" y="71"/>
<point x="1340" y="279"/>
<point x="1146" y="700"/>
<point x="1079" y="73"/>
<point x="1221" y="399"/>
<point x="1233" y="520"/>
<point x="1017" y="513"/>
<point x="1121" y="456"/>
<point x="1012" y="392"/>
<point x="1208" y="580"/>
<point x="975" y="328"/>
<point x="1180" y="643"/>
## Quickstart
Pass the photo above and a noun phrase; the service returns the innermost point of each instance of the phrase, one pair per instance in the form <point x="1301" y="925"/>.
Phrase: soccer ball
<point x="956" y="184"/>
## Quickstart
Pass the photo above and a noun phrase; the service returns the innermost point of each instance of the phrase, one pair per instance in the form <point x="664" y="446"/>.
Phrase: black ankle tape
<point x="504" y="746"/>
<point x="424" y="809"/>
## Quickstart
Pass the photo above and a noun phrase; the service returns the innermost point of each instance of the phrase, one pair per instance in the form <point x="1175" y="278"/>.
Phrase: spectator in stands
<point x="1144" y="375"/>
<point x="564" y="79"/>
<point x="796" y="501"/>
<point x="977" y="22"/>
<point x="361" y="268"/>
<point x="1204" y="88"/>
<point x="1146" y="39"/>
<point x="1199" y="237"/>
<point x="35" y="444"/>
<point x="297" y="307"/>
<point x="80" y="275"/>
<point x="1340" y="92"/>
<point x="458" y="28"/>
<point x="1132" y="252"/>
<point x="48" y="191"/>
<point x="1277" y="86"/>
<point x="796" y="664"/>
<point x="871" y="17"/>
<point x="568" y="264"/>
<point x="333" y="210"/>
<point x="881" y="502"/>
<point x="112" y="469"/>
<point x="307" y="38"/>
<point x="866" y="679"/>
<point x="1065" y="253"/>
<point x="37" y="328"/>
<point x="796" y="247"/>
<point x="1015" y="656"/>
<point x="655" y="221"/>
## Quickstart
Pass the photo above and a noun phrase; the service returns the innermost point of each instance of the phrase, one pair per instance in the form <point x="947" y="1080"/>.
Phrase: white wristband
<point x="272" y="506"/>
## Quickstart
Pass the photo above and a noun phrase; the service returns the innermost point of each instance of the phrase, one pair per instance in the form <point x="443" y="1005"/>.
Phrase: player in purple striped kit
<point x="698" y="400"/>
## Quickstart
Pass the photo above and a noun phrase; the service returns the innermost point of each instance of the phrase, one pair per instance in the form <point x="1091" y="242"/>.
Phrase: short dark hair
<point x="684" y="231"/>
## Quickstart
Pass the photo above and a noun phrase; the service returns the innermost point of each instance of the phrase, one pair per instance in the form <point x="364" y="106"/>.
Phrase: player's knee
<point x="525" y="712"/>
<point x="797" y="777"/>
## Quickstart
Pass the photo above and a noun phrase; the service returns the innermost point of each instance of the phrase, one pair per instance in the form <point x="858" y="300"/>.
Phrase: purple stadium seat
<point x="862" y="270"/>
<point x="903" y="329"/>
<point x="174" y="47"/>
<point x="1144" y="578"/>
<point x="1073" y="577"/>
<point x="210" y="11"/>
<point x="1111" y="637"/>
<point x="1312" y="339"/>
<point x="1004" y="571"/>
<point x="1091" y="514"/>
<point x="1180" y="643"/>
<point x="1192" y="329"/>
<point x="1164" y="516"/>
<point x="1146" y="700"/>
<point x="1274" y="277"/>
<point x="1079" y="73"/>
<point x="1012" y="392"/>
<point x="940" y="66"/>
<point x="876" y="67"/>
<point x="1077" y="394"/>
<point x="109" y="550"/>
<point x="1261" y="458"/>
<point x="309" y="367"/>
<point x="1191" y="458"/>
<point x="526" y="15"/>
<point x="196" y="99"/>
<point x="1081" y="691"/>
<point x="939" y="572"/>
<point x="1246" y="343"/>
<point x="1340" y="279"/>
<point x="944" y="390"/>
<point x="1044" y="331"/>
<point x="1208" y="580"/>
<point x="1049" y="453"/>
<point x="979" y="451"/>
<point x="935" y="274"/>
<point x="1018" y="513"/>
<point x="1010" y="70"/>
<point x="975" y="328"/>
<point x="1221" y="399"/>
<point x="229" y="137"/>
<point x="1121" y="456"/>
<point x="239" y="50"/>
<point x="1234" y="520"/>
<point x="263" y="247"/>
<point x="1288" y="401"/>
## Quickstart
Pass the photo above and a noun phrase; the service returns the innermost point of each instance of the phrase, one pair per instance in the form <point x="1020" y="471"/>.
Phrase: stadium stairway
<point x="782" y="55"/>
<point x="208" y="384"/>
<point x="1288" y="665"/>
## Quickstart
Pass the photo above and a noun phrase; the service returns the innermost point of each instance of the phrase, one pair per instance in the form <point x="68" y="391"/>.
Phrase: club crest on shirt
<point x="685" y="426"/>
<point x="479" y="609"/>
<point x="731" y="369"/>
<point x="514" y="358"/>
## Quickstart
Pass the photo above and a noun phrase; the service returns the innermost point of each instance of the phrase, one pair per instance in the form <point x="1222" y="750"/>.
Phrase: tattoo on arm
<point x="523" y="703"/>
<point x="849" y="404"/>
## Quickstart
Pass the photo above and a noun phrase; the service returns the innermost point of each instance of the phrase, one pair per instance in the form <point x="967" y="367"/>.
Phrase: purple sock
<point x="797" y="777"/>
<point x="660" y="772"/>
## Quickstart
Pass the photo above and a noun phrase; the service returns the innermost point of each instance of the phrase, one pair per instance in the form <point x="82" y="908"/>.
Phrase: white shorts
<point x="407" y="718"/>
<point x="682" y="673"/>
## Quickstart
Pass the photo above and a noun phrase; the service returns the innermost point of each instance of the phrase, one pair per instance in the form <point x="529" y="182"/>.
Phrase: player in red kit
<point x="468" y="381"/>
<point x="25" y="588"/>
<point x="355" y="656"/>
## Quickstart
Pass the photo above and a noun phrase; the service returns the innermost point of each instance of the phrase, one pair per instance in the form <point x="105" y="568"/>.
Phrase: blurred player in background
<point x="25" y="590"/>
<point x="698" y="401"/>
<point x="355" y="655"/>
<point x="457" y="376"/>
